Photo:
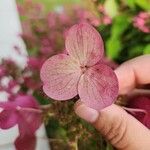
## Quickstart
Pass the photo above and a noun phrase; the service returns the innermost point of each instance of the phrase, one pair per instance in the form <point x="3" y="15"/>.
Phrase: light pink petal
<point x="60" y="75"/>
<point x="98" y="87"/>
<point x="84" y="44"/>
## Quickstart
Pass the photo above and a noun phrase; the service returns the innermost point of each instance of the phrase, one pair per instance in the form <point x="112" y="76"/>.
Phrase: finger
<point x="122" y="130"/>
<point x="133" y="72"/>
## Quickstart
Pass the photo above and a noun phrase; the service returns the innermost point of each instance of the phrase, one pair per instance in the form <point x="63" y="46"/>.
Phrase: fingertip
<point x="77" y="104"/>
<point x="88" y="114"/>
<point x="126" y="78"/>
<point x="132" y="73"/>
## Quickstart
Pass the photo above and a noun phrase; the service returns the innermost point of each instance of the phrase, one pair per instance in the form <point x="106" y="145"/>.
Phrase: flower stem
<point x="29" y="109"/>
<point x="74" y="144"/>
<point x="46" y="106"/>
<point x="133" y="110"/>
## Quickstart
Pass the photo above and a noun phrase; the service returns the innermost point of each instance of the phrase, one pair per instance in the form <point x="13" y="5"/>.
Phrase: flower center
<point x="83" y="69"/>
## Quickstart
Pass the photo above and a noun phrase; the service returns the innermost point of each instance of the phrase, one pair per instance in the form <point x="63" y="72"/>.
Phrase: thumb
<point x="122" y="130"/>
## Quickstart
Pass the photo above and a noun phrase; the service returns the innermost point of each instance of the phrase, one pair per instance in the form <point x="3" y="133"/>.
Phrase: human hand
<point x="120" y="128"/>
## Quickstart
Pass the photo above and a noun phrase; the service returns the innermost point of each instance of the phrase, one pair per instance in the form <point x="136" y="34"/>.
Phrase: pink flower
<point x="52" y="17"/>
<point x="140" y="108"/>
<point x="25" y="112"/>
<point x="64" y="18"/>
<point x="2" y="71"/>
<point x="46" y="46"/>
<point x="32" y="83"/>
<point x="142" y="21"/>
<point x="35" y="62"/>
<point x="78" y="73"/>
<point x="27" y="34"/>
<point x="105" y="19"/>
<point x="35" y="10"/>
<point x="12" y="85"/>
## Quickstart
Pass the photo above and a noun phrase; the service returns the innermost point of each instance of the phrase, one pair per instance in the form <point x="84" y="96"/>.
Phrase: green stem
<point x="74" y="144"/>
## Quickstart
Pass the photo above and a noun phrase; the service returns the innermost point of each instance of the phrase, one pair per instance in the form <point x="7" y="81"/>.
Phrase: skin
<point x="122" y="130"/>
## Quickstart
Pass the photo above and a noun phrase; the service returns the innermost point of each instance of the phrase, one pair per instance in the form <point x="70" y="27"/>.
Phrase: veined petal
<point x="60" y="75"/>
<point x="98" y="87"/>
<point x="84" y="44"/>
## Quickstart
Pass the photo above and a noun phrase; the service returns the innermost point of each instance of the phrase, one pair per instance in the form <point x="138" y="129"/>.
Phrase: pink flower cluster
<point x="105" y="19"/>
<point x="20" y="108"/>
<point x="142" y="21"/>
<point x="21" y="111"/>
<point x="96" y="20"/>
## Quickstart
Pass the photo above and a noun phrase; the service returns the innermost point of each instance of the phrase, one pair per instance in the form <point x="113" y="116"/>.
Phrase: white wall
<point x="10" y="29"/>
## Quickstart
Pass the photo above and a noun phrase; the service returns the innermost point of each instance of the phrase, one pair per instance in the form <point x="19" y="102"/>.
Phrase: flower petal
<point x="84" y="44"/>
<point x="26" y="120"/>
<point x="8" y="119"/>
<point x="60" y="75"/>
<point x="26" y="101"/>
<point x="98" y="87"/>
<point x="25" y="142"/>
<point x="141" y="102"/>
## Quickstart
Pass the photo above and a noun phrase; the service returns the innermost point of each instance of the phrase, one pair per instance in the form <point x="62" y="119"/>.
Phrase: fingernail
<point x="86" y="113"/>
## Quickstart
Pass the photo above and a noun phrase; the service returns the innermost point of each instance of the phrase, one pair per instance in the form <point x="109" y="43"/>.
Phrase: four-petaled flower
<point x="81" y="72"/>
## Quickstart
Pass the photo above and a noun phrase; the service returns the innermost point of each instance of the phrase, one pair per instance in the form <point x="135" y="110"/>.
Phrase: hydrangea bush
<point x="59" y="41"/>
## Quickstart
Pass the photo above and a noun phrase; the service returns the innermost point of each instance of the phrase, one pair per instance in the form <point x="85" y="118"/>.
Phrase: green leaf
<point x="120" y="24"/>
<point x="111" y="8"/>
<point x="33" y="51"/>
<point x="51" y="4"/>
<point x="136" y="51"/>
<point x="145" y="4"/>
<point x="147" y="49"/>
<point x="52" y="127"/>
<point x="61" y="133"/>
<point x="41" y="99"/>
<point x="130" y="3"/>
<point x="113" y="47"/>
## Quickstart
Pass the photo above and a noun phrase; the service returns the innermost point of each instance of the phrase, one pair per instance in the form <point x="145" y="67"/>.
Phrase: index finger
<point x="133" y="72"/>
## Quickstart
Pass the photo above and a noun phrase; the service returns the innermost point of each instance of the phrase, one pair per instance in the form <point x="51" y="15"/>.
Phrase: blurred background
<point x="125" y="29"/>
